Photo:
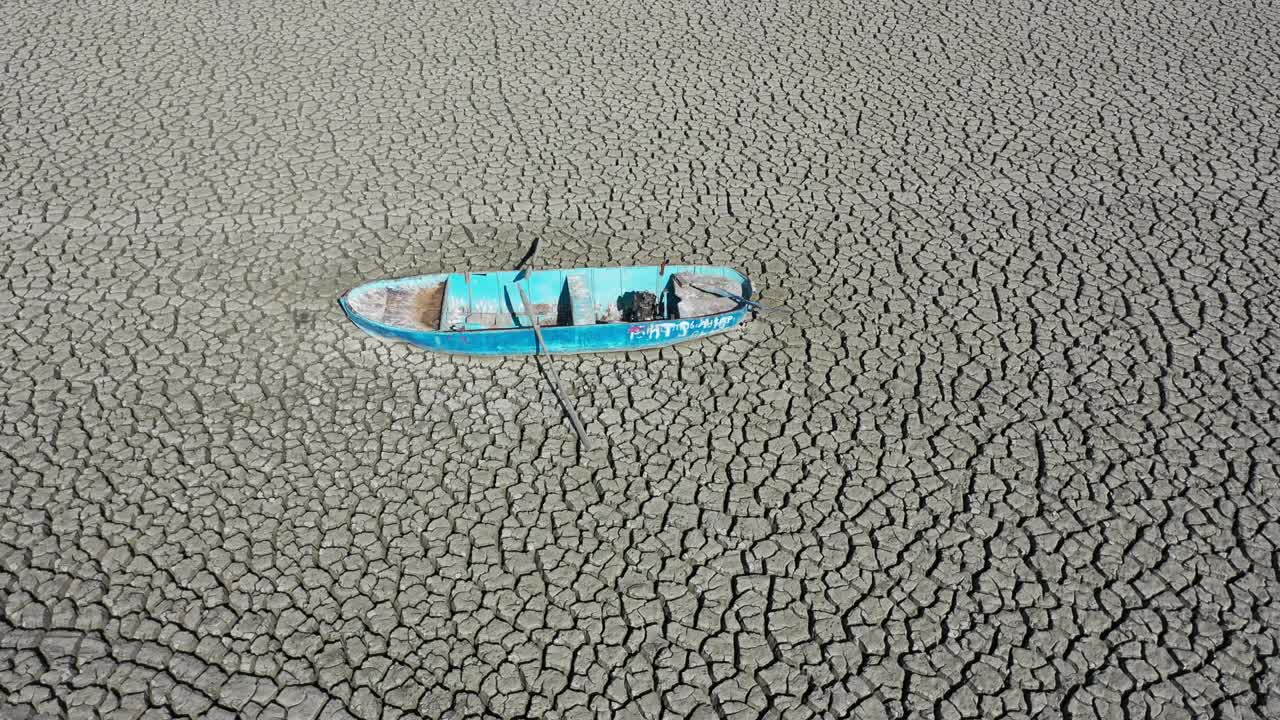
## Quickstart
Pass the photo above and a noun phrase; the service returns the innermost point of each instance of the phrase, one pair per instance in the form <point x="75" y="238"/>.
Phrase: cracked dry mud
<point x="1012" y="452"/>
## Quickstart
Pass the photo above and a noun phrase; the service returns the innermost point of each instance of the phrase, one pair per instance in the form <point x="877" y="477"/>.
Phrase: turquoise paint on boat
<point x="580" y="310"/>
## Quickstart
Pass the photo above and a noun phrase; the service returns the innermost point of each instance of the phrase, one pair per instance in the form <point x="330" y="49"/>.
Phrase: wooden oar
<point x="732" y="296"/>
<point x="551" y="372"/>
<point x="737" y="298"/>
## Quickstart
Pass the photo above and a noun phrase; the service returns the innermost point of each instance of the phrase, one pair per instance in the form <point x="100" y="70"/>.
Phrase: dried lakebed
<point x="1012" y="451"/>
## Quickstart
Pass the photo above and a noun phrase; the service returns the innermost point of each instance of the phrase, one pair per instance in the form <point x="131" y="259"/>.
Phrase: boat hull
<point x="581" y="310"/>
<point x="613" y="337"/>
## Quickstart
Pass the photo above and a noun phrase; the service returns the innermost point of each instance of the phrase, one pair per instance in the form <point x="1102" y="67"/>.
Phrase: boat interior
<point x="491" y="300"/>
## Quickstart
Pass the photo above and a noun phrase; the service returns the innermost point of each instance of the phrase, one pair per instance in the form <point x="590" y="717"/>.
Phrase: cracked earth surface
<point x="1012" y="452"/>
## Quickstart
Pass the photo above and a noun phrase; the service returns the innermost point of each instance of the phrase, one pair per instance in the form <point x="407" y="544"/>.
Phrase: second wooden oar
<point x="551" y="372"/>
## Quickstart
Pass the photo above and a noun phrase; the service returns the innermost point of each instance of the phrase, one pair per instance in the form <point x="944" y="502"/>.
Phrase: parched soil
<point x="1010" y="451"/>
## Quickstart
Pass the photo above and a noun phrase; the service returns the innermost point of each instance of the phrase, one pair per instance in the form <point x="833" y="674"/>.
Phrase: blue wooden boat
<point x="579" y="310"/>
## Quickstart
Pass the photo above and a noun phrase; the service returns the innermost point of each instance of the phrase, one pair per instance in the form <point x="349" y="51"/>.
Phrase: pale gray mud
<point x="1012" y="453"/>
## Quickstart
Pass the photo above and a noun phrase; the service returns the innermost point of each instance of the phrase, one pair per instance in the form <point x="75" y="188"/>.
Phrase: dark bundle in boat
<point x="639" y="306"/>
